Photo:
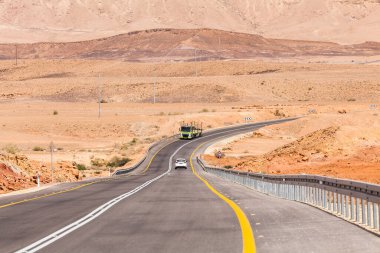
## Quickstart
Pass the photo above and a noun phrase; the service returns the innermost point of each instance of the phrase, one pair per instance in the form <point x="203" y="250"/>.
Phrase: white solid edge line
<point x="42" y="243"/>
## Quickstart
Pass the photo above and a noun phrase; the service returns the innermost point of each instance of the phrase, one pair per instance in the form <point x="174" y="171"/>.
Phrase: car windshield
<point x="185" y="129"/>
<point x="181" y="160"/>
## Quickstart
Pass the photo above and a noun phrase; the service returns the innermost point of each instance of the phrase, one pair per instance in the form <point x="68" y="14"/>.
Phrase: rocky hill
<point x="185" y="45"/>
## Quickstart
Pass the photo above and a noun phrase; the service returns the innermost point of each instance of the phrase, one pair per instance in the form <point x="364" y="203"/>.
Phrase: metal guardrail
<point x="135" y="166"/>
<point x="356" y="202"/>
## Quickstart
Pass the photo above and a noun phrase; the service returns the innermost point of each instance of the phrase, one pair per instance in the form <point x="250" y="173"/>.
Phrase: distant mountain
<point x="342" y="21"/>
<point x="185" y="45"/>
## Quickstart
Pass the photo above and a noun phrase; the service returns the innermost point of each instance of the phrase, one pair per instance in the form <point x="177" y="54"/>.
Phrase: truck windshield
<point x="185" y="129"/>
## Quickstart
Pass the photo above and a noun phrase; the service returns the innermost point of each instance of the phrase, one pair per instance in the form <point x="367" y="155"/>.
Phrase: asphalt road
<point x="175" y="213"/>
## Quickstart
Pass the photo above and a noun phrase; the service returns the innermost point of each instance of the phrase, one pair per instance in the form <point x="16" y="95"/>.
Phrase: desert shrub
<point x="204" y="110"/>
<point x="118" y="161"/>
<point x="342" y="111"/>
<point x="228" y="167"/>
<point x="97" y="162"/>
<point x="11" y="149"/>
<point x="351" y="100"/>
<point x="81" y="166"/>
<point x="37" y="148"/>
<point x="278" y="113"/>
<point x="55" y="112"/>
<point x="103" y="101"/>
<point x="98" y="172"/>
<point x="124" y="146"/>
<point x="133" y="141"/>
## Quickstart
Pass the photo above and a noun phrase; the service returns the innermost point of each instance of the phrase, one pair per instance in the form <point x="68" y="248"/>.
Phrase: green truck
<point x="190" y="131"/>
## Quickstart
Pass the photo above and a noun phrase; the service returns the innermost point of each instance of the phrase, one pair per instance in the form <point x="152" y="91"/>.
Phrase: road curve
<point x="175" y="213"/>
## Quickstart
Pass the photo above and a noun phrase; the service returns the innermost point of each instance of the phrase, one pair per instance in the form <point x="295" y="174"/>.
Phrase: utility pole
<point x="154" y="83"/>
<point x="220" y="51"/>
<point x="154" y="91"/>
<point x="195" y="60"/>
<point x="51" y="147"/>
<point x="16" y="54"/>
<point x="99" y="96"/>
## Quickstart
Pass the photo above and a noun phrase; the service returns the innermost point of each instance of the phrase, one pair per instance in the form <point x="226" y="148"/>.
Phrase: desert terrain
<point x="341" y="21"/>
<point x="44" y="101"/>
<point x="344" y="143"/>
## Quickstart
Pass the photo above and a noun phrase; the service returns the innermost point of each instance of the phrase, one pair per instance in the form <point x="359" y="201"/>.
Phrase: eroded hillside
<point x="343" y="21"/>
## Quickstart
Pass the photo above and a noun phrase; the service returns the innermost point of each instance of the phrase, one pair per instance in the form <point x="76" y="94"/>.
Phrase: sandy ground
<point x="45" y="101"/>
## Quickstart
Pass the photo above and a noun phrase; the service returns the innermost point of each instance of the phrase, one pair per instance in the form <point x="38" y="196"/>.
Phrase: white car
<point x="180" y="163"/>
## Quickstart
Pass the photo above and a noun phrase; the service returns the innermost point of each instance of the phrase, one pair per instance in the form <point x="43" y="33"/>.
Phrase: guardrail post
<point x="335" y="203"/>
<point x="357" y="202"/>
<point x="329" y="201"/>
<point x="376" y="215"/>
<point x="316" y="191"/>
<point x="287" y="191"/>
<point x="311" y="191"/>
<point x="345" y="208"/>
<point x="344" y="203"/>
<point x="299" y="192"/>
<point x="369" y="222"/>
<point x="352" y="208"/>
<point x="363" y="212"/>
<point x="339" y="203"/>
<point x="271" y="188"/>
<point x="276" y="189"/>
<point x="324" y="198"/>
<point x="347" y="205"/>
<point x="373" y="211"/>
<point x="310" y="195"/>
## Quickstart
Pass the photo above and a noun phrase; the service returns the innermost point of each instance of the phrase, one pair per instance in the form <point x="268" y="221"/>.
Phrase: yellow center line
<point x="154" y="156"/>
<point x="246" y="230"/>
<point x="82" y="185"/>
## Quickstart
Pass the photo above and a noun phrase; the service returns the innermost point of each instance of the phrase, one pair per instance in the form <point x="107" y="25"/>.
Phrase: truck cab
<point x="189" y="131"/>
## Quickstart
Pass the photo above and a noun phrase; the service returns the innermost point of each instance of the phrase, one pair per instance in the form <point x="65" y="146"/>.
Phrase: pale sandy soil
<point x="222" y="94"/>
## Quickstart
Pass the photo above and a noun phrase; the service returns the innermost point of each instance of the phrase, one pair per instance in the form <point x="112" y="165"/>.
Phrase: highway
<point x="155" y="209"/>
